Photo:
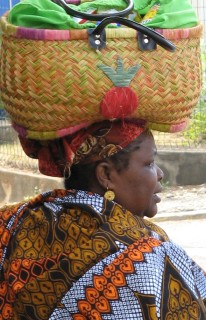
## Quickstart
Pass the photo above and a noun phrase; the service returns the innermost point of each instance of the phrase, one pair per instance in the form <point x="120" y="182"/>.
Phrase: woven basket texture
<point x="50" y="79"/>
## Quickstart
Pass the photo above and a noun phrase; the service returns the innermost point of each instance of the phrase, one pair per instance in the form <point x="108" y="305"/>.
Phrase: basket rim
<point x="51" y="135"/>
<point x="82" y="34"/>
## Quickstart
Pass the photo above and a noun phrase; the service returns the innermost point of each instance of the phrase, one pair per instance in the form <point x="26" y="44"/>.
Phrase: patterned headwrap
<point x="97" y="142"/>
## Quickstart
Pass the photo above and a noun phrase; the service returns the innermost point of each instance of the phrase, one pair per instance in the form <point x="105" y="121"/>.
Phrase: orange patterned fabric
<point x="106" y="286"/>
<point x="92" y="143"/>
<point x="74" y="255"/>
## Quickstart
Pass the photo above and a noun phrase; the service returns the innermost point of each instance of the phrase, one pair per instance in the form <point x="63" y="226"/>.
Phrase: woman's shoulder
<point x="155" y="228"/>
<point x="8" y="210"/>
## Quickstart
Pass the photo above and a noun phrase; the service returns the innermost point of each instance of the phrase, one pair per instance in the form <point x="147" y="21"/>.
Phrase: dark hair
<point x="83" y="175"/>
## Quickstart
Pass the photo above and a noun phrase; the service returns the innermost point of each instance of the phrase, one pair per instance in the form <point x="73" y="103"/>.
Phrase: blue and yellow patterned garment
<point x="75" y="255"/>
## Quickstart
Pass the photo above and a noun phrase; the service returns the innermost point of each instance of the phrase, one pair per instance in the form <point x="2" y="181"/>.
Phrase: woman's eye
<point x="151" y="164"/>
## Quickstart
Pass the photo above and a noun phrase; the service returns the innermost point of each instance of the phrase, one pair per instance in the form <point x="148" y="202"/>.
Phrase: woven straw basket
<point x="53" y="83"/>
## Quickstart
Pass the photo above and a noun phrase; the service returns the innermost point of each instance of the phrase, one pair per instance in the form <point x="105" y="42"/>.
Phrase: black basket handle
<point x="97" y="35"/>
<point x="95" y="17"/>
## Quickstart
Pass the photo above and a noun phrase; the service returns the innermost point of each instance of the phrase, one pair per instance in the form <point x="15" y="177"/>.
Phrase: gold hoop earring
<point x="67" y="171"/>
<point x="109" y="195"/>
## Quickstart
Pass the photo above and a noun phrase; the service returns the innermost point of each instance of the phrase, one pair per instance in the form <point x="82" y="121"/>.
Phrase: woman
<point x="87" y="252"/>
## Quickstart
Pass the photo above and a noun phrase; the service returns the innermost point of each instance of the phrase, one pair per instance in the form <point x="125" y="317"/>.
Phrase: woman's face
<point x="136" y="187"/>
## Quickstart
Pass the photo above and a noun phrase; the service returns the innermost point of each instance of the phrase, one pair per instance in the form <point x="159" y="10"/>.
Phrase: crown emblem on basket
<point x="120" y="101"/>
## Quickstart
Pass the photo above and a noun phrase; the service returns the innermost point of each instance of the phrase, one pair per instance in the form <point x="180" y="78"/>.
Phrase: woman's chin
<point x="151" y="213"/>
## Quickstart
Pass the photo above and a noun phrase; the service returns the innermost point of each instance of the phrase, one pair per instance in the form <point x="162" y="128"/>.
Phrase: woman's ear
<point x="103" y="174"/>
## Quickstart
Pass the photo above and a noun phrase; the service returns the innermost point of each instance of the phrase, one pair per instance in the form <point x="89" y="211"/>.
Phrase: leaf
<point x="120" y="77"/>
